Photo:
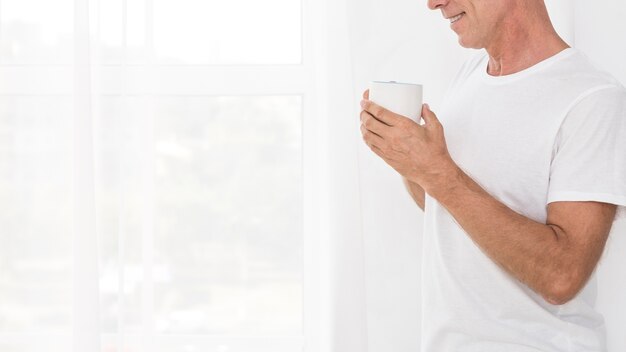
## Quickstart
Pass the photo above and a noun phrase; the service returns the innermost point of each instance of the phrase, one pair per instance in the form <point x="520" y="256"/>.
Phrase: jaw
<point x="468" y="35"/>
<point x="466" y="43"/>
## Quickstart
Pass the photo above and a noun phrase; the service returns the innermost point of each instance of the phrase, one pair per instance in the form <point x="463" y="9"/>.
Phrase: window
<point x="201" y="165"/>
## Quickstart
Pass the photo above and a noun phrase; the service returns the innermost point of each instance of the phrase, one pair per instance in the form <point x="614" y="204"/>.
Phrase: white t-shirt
<point x="553" y="132"/>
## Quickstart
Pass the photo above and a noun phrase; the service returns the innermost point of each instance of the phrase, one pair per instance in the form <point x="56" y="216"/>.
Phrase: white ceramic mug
<point x="402" y="98"/>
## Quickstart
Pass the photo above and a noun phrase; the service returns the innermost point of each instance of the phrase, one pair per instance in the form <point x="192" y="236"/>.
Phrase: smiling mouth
<point x="456" y="18"/>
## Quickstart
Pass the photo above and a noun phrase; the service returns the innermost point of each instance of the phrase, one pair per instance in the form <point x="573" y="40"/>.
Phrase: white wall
<point x="392" y="44"/>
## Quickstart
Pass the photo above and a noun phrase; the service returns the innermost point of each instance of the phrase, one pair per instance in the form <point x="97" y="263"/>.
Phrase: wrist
<point x="444" y="184"/>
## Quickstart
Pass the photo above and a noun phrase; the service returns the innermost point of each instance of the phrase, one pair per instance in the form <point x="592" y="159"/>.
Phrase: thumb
<point x="428" y="116"/>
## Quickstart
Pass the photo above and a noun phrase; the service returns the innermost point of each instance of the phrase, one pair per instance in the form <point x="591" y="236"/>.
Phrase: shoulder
<point x="603" y="100"/>
<point x="580" y="90"/>
<point x="598" y="114"/>
<point x="597" y="101"/>
<point x="576" y="71"/>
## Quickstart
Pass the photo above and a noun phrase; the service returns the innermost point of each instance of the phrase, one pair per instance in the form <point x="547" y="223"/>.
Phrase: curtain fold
<point x="345" y="278"/>
<point x="86" y="299"/>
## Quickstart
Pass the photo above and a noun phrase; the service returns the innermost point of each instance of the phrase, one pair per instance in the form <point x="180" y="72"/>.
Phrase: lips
<point x="456" y="18"/>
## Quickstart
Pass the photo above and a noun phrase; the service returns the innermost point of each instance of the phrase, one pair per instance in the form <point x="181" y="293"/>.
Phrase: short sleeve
<point x="589" y="158"/>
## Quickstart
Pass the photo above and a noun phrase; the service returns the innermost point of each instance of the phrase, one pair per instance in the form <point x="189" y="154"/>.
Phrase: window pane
<point x="120" y="205"/>
<point x="112" y="31"/>
<point x="35" y="214"/>
<point x="185" y="31"/>
<point x="227" y="197"/>
<point x="228" y="218"/>
<point x="228" y="32"/>
<point x="36" y="31"/>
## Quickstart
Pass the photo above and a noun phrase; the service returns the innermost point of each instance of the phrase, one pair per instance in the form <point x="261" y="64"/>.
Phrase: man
<point x="520" y="194"/>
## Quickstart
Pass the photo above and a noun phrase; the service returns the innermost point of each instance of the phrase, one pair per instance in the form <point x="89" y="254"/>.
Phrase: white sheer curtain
<point x="86" y="292"/>
<point x="120" y="231"/>
<point x="152" y="163"/>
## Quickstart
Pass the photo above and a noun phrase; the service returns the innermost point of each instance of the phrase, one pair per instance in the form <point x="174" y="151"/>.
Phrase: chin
<point x="466" y="43"/>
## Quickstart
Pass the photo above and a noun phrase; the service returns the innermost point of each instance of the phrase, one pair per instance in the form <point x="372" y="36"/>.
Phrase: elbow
<point x="563" y="290"/>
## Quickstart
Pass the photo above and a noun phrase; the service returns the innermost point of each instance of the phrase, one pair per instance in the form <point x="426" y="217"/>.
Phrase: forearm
<point x="536" y="254"/>
<point x="416" y="192"/>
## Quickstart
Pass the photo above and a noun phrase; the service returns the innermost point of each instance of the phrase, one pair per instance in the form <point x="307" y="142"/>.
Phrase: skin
<point x="554" y="259"/>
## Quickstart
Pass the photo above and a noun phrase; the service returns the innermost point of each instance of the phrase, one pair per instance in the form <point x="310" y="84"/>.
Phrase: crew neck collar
<point x="567" y="52"/>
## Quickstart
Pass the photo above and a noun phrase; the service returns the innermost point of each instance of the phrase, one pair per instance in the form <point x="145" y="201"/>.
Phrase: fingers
<point x="366" y="94"/>
<point x="370" y="123"/>
<point x="371" y="138"/>
<point x="381" y="113"/>
<point x="429" y="117"/>
<point x="378" y="151"/>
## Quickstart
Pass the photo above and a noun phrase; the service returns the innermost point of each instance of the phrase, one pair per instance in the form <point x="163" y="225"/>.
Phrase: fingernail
<point x="427" y="107"/>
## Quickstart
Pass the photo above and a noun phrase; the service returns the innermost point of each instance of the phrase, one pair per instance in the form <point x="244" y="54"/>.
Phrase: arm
<point x="416" y="192"/>
<point x="554" y="259"/>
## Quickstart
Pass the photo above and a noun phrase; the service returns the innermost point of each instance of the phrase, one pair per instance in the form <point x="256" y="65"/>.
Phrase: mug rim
<point x="396" y="82"/>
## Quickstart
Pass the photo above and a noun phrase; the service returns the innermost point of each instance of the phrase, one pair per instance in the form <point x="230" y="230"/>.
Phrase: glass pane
<point x="36" y="31"/>
<point x="120" y="205"/>
<point x="228" y="217"/>
<point x="228" y="32"/>
<point x="35" y="214"/>
<point x="185" y="31"/>
<point x="111" y="14"/>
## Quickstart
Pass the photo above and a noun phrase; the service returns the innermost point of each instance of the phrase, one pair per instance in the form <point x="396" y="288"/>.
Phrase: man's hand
<point x="418" y="152"/>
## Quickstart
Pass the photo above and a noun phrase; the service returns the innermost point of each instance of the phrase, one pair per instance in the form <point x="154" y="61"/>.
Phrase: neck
<point x="524" y="44"/>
